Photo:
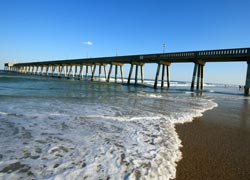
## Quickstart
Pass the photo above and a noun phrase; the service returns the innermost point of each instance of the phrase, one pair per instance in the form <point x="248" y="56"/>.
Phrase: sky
<point x="42" y="30"/>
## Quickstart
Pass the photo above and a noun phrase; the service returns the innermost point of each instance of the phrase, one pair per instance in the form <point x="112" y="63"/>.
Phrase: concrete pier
<point x="74" y="68"/>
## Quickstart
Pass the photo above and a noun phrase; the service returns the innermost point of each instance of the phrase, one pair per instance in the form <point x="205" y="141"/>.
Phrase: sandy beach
<point x="217" y="145"/>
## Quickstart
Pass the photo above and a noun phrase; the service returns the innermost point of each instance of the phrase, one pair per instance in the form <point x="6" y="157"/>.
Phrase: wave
<point x="126" y="136"/>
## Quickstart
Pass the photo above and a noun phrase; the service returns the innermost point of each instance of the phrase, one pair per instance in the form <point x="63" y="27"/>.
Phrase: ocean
<point x="54" y="128"/>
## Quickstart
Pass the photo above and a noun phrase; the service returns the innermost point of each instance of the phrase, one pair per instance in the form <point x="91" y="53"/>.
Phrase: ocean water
<point x="54" y="128"/>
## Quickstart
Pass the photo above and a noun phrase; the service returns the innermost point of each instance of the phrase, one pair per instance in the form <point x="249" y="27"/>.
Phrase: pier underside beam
<point x="247" y="85"/>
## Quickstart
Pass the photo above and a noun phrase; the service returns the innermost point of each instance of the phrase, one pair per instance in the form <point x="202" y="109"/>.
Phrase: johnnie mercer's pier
<point x="68" y="68"/>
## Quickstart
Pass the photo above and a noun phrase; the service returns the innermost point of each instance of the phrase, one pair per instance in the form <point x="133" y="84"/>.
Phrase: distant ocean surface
<point x="54" y="128"/>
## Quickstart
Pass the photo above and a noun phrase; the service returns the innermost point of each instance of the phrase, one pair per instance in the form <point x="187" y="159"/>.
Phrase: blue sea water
<point x="54" y="128"/>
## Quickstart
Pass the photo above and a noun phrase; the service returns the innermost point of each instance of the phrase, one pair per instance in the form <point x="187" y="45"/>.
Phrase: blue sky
<point x="38" y="30"/>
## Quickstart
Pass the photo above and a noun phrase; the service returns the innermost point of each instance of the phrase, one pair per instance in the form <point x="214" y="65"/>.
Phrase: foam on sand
<point x="128" y="138"/>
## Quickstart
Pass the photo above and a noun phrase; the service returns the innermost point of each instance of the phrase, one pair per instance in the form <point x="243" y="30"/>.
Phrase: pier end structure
<point x="9" y="67"/>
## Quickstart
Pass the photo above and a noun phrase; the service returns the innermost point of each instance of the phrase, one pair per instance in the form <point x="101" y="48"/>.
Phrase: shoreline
<point x="216" y="145"/>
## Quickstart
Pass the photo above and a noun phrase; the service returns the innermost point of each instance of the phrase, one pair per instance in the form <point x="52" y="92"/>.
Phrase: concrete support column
<point x="142" y="74"/>
<point x="247" y="85"/>
<point x="66" y="71"/>
<point x="121" y="69"/>
<point x="53" y="70"/>
<point x="110" y="70"/>
<point x="87" y="70"/>
<point x="116" y="71"/>
<point x="70" y="71"/>
<point x="29" y="70"/>
<point x="105" y="71"/>
<point x="168" y="76"/>
<point x="58" y="69"/>
<point x="26" y="69"/>
<point x="136" y="74"/>
<point x="32" y="70"/>
<point x="80" y="76"/>
<point x="62" y="70"/>
<point x="198" y="77"/>
<point x="202" y="76"/>
<point x="47" y="70"/>
<point x="100" y="71"/>
<point x="162" y="75"/>
<point x="194" y="75"/>
<point x="157" y="74"/>
<point x="130" y="73"/>
<point x="41" y="73"/>
<point x="93" y="73"/>
<point x="75" y="71"/>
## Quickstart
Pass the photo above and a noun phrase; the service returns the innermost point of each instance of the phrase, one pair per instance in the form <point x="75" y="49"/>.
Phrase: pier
<point x="74" y="67"/>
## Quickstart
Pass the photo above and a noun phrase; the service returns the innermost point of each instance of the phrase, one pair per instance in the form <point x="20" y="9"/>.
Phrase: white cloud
<point x="89" y="43"/>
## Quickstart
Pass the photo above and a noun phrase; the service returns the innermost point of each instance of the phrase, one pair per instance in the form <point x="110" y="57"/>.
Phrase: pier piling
<point x="130" y="73"/>
<point x="168" y="75"/>
<point x="93" y="73"/>
<point x="136" y="74"/>
<point x="194" y="76"/>
<point x="162" y="75"/>
<point x="247" y="85"/>
<point x="157" y="74"/>
<point x="110" y="70"/>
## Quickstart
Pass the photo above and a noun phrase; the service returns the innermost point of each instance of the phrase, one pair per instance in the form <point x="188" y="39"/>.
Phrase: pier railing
<point x="225" y="52"/>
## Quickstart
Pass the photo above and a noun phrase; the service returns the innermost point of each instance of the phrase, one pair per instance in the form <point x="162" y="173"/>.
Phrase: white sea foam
<point x="122" y="138"/>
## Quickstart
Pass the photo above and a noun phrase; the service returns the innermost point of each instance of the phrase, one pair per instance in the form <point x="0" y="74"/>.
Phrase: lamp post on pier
<point x="164" y="46"/>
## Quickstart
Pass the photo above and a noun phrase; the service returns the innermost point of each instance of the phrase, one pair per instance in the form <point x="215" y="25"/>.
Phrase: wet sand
<point x="217" y="145"/>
